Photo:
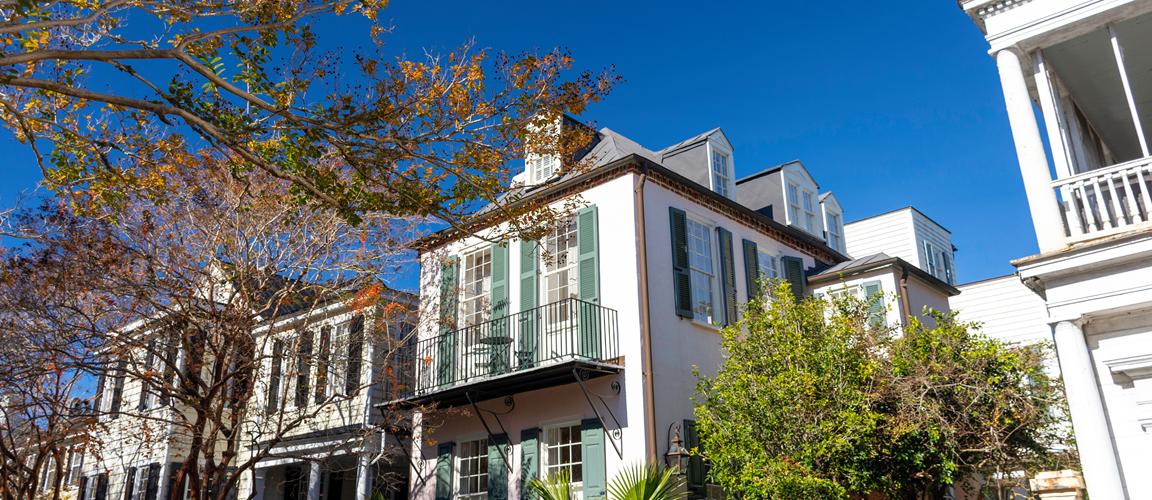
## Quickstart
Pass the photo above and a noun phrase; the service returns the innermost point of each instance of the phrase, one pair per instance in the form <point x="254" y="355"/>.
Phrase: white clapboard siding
<point x="1005" y="307"/>
<point x="890" y="233"/>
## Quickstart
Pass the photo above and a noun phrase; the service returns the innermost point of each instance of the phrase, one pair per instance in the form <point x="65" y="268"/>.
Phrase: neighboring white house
<point x="576" y="353"/>
<point x="1087" y="66"/>
<point x="1005" y="308"/>
<point x="908" y="234"/>
<point x="898" y="290"/>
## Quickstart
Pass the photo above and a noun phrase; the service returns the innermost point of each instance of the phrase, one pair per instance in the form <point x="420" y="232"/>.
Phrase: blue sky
<point x="888" y="107"/>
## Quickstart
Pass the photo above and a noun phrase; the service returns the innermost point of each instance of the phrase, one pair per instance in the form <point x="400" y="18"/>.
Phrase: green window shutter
<point x="499" y="296"/>
<point x="794" y="273"/>
<point x="529" y="335"/>
<point x="446" y="343"/>
<point x="587" y="244"/>
<point x="498" y="467"/>
<point x="727" y="275"/>
<point x="681" y="278"/>
<point x="588" y="268"/>
<point x="444" y="467"/>
<point x="696" y="471"/>
<point x="529" y="460"/>
<point x="751" y="268"/>
<point x="874" y="294"/>
<point x="595" y="467"/>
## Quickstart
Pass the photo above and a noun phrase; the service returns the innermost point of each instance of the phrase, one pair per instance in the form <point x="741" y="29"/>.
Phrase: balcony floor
<point x="541" y="377"/>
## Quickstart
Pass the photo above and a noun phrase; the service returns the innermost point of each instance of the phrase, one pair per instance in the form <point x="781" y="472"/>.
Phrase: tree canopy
<point x="815" y="401"/>
<point x="110" y="93"/>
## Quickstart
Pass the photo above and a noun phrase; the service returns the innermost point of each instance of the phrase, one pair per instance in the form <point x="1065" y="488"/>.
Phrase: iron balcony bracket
<point x="615" y="436"/>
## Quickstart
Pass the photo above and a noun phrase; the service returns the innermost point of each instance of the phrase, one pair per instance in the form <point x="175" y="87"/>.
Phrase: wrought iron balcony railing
<point x="566" y="330"/>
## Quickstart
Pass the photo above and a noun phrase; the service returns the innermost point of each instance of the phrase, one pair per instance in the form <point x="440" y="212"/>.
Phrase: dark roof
<point x="696" y="139"/>
<point x="878" y="261"/>
<point x="767" y="171"/>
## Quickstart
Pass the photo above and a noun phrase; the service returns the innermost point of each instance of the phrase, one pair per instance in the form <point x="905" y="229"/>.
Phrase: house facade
<point x="1086" y="65"/>
<point x="575" y="354"/>
<point x="311" y="431"/>
<point x="908" y="234"/>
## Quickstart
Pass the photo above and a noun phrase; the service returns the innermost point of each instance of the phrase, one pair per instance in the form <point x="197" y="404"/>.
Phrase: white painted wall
<point x="618" y="290"/>
<point x="680" y="344"/>
<point x="889" y="282"/>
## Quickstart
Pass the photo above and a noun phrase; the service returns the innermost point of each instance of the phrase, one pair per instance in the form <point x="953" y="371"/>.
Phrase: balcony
<point x="529" y="350"/>
<point x="1107" y="200"/>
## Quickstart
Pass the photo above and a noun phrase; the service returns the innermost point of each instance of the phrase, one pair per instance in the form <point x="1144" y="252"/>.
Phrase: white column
<point x="258" y="476"/>
<point x="1093" y="439"/>
<point x="364" y="476"/>
<point x="314" y="479"/>
<point x="1030" y="153"/>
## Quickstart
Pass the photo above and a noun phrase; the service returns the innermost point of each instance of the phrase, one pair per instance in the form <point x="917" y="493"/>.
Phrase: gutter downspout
<point x="645" y="317"/>
<point x="905" y="307"/>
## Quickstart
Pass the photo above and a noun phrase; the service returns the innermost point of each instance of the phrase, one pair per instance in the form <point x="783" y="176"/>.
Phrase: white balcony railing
<point x="1106" y="200"/>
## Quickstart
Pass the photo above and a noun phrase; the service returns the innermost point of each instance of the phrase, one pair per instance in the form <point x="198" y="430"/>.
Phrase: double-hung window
<point x="721" y="174"/>
<point x="475" y="306"/>
<point x="809" y="211"/>
<point x="794" y="203"/>
<point x="702" y="266"/>
<point x="768" y="266"/>
<point x="472" y="468"/>
<point x="559" y="263"/>
<point x="562" y="454"/>
<point x="930" y="259"/>
<point x="835" y="232"/>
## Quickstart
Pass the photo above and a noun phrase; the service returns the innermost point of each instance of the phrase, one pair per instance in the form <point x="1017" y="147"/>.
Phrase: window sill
<point x="705" y="326"/>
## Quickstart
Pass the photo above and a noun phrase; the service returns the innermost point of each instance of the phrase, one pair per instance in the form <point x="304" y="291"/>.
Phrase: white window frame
<point x="480" y="299"/>
<point x="481" y="464"/>
<point x="711" y="275"/>
<point x="835" y="230"/>
<point x="726" y="186"/>
<point x="764" y="257"/>
<point x="542" y="167"/>
<point x="930" y="264"/>
<point x="576" y="442"/>
<point x="808" y="204"/>
<point x="550" y="265"/>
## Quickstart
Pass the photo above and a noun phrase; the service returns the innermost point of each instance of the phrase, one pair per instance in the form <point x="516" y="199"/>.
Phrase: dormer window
<point x="802" y="208"/>
<point x="542" y="168"/>
<point x="721" y="173"/>
<point x="835" y="231"/>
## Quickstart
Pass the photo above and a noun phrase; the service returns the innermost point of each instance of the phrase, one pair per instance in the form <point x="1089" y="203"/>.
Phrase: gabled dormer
<point x="787" y="193"/>
<point x="705" y="159"/>
<point x="563" y="142"/>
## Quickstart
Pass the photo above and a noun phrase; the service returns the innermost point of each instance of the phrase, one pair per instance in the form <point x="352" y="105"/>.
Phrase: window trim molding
<point x="714" y="256"/>
<point x="730" y="167"/>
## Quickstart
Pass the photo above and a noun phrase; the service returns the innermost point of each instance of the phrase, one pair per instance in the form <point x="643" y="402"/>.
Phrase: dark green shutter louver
<point x="499" y="297"/>
<point x="446" y="342"/>
<point x="592" y="451"/>
<point x="444" y="466"/>
<point x="696" y="472"/>
<point x="727" y="275"/>
<point x="681" y="277"/>
<point x="794" y="273"/>
<point x="529" y="335"/>
<point x="588" y="268"/>
<point x="529" y="460"/>
<point x="751" y="268"/>
<point x="498" y="467"/>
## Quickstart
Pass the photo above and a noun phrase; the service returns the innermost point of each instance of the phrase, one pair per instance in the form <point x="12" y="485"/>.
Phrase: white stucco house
<point x="1086" y="66"/>
<point x="575" y="353"/>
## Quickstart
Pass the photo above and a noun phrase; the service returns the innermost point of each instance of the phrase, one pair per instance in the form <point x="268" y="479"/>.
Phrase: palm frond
<point x="646" y="482"/>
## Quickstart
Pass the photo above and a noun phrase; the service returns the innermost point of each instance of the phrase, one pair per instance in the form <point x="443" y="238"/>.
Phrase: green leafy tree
<point x="813" y="401"/>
